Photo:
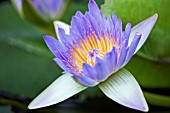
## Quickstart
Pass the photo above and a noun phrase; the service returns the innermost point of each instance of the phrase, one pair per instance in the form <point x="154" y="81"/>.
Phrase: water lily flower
<point x="41" y="12"/>
<point x="93" y="51"/>
<point x="47" y="9"/>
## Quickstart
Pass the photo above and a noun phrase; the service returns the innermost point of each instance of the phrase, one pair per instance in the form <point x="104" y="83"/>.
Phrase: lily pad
<point x="26" y="63"/>
<point x="149" y="74"/>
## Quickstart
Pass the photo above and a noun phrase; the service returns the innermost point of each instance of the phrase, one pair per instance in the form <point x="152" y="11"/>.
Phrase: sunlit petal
<point x="61" y="89"/>
<point x="124" y="89"/>
<point x="144" y="28"/>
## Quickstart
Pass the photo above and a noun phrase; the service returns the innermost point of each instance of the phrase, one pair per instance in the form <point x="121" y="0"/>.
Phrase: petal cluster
<point x="94" y="47"/>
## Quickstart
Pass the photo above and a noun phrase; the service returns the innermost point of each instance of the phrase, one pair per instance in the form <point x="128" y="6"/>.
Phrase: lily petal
<point x="95" y="11"/>
<point x="85" y="81"/>
<point x="59" y="24"/>
<point x="132" y="48"/>
<point x="124" y="89"/>
<point x="143" y="28"/>
<point x="54" y="45"/>
<point x="61" y="89"/>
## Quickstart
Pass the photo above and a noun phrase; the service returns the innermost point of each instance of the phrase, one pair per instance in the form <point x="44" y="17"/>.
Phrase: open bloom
<point x="93" y="50"/>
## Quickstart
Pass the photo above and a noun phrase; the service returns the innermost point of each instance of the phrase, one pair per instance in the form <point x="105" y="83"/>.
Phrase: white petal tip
<point x="60" y="90"/>
<point x="154" y="17"/>
<point x="143" y="107"/>
<point x="59" y="24"/>
<point x="124" y="89"/>
<point x="34" y="105"/>
<point x="143" y="28"/>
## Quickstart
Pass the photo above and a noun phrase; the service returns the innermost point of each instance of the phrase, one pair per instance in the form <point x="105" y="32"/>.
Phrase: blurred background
<point x="27" y="68"/>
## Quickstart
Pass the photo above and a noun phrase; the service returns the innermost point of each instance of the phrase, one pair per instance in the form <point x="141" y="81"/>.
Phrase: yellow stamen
<point x="93" y="47"/>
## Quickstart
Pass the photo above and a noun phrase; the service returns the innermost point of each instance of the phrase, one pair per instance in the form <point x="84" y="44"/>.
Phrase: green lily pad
<point x="157" y="45"/>
<point x="149" y="74"/>
<point x="26" y="63"/>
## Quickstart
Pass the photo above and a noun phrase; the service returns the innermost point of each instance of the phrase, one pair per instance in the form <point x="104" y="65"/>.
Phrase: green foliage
<point x="26" y="63"/>
<point x="149" y="74"/>
<point x="157" y="99"/>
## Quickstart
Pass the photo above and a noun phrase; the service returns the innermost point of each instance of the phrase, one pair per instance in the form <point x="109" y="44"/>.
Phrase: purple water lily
<point x="93" y="51"/>
<point x="47" y="9"/>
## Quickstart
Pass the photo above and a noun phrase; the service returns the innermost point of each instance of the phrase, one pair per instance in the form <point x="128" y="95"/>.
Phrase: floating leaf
<point x="26" y="64"/>
<point x="149" y="74"/>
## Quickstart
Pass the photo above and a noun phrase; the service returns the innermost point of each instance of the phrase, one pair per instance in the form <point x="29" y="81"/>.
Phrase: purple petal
<point x="111" y="59"/>
<point x="95" y="11"/>
<point x="54" y="45"/>
<point x="98" y="60"/>
<point x="105" y="67"/>
<point x="98" y="18"/>
<point x="118" y="28"/>
<point x="89" y="71"/>
<point x="122" y="58"/>
<point x="128" y="31"/>
<point x="62" y="64"/>
<point x="110" y="27"/>
<point x="76" y="24"/>
<point x="132" y="47"/>
<point x="85" y="81"/>
<point x="64" y="26"/>
<point x="87" y="26"/>
<point x="143" y="28"/>
<point x="102" y="71"/>
<point x="65" y="39"/>
<point x="93" y="24"/>
<point x="79" y="14"/>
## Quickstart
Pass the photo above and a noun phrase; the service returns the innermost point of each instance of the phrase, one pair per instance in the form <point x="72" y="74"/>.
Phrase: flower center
<point x="92" y="56"/>
<point x="86" y="51"/>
